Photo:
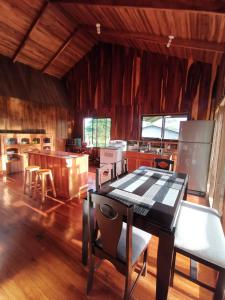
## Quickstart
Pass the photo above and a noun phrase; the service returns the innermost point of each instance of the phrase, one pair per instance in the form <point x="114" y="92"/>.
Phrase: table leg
<point x="185" y="193"/>
<point x="85" y="233"/>
<point x="164" y="262"/>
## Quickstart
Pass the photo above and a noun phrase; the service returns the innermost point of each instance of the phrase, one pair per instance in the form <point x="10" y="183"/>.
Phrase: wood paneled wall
<point x="124" y="83"/>
<point x="20" y="81"/>
<point x="17" y="114"/>
<point x="31" y="100"/>
<point x="219" y="86"/>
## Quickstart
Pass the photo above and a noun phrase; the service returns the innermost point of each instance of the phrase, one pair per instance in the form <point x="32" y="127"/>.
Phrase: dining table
<point x="156" y="195"/>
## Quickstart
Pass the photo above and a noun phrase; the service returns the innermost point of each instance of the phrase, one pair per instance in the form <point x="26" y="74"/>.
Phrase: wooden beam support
<point x="215" y="6"/>
<point x="61" y="49"/>
<point x="162" y="40"/>
<point x="33" y="25"/>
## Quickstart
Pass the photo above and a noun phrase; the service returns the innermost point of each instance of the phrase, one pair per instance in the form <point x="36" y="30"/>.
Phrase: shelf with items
<point x="15" y="146"/>
<point x="157" y="146"/>
<point x="36" y="140"/>
<point x="47" y="143"/>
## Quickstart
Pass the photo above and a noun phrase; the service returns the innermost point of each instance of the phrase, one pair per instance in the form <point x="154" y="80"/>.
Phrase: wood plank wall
<point x="31" y="100"/>
<point x="20" y="81"/>
<point x="219" y="86"/>
<point x="125" y="83"/>
<point x="17" y="114"/>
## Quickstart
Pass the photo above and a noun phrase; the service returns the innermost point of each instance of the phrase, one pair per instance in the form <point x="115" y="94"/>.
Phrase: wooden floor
<point x="40" y="253"/>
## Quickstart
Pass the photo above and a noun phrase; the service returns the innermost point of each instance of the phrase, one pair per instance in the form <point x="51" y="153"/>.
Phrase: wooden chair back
<point x="165" y="164"/>
<point x="109" y="216"/>
<point x="109" y="239"/>
<point x="104" y="174"/>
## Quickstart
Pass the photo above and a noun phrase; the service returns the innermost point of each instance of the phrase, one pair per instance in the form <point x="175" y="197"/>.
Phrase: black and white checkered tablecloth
<point x="146" y="186"/>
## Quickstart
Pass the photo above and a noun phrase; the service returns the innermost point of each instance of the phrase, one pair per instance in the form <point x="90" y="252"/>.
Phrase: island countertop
<point x="58" y="154"/>
<point x="70" y="170"/>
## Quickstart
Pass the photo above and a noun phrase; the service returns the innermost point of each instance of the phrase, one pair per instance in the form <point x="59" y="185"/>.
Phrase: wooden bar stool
<point x="42" y="176"/>
<point x="29" y="172"/>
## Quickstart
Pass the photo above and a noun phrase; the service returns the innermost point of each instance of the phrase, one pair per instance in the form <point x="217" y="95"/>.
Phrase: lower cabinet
<point x="132" y="164"/>
<point x="145" y="162"/>
<point x="138" y="159"/>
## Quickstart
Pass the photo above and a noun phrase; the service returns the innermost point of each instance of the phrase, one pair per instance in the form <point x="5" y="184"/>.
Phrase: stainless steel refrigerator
<point x="194" y="148"/>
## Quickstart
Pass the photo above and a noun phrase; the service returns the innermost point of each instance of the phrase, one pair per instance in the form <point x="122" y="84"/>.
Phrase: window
<point x="152" y="127"/>
<point x="97" y="131"/>
<point x="161" y="127"/>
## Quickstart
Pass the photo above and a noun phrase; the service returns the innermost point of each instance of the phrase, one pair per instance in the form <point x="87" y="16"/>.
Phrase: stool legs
<point x="28" y="179"/>
<point x="52" y="184"/>
<point x="30" y="183"/>
<point x="25" y="182"/>
<point x="42" y="176"/>
<point x="43" y="187"/>
<point x="36" y="185"/>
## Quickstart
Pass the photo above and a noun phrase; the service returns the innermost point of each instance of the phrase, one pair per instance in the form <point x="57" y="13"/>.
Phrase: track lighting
<point x="171" y="37"/>
<point x="98" y="28"/>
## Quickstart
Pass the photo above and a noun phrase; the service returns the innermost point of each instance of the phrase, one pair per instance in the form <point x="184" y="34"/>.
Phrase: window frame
<point x="163" y="116"/>
<point x="96" y="134"/>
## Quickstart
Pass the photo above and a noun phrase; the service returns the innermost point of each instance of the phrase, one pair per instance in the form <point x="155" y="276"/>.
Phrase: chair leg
<point x="145" y="260"/>
<point x="127" y="286"/>
<point x="220" y="286"/>
<point x="173" y="268"/>
<point x="90" y="274"/>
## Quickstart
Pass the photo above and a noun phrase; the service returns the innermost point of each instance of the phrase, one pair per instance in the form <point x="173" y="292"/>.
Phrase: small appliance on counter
<point x="74" y="141"/>
<point x="132" y="145"/>
<point x="118" y="144"/>
<point x="112" y="155"/>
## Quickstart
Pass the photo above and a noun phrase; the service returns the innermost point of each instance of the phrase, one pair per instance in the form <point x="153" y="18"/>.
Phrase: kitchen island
<point x="70" y="171"/>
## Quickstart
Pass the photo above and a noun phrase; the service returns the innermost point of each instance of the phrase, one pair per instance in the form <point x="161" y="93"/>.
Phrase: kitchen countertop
<point x="59" y="154"/>
<point x="150" y="152"/>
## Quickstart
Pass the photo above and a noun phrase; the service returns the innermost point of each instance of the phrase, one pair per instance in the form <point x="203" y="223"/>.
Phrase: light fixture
<point x="98" y="28"/>
<point x="171" y="37"/>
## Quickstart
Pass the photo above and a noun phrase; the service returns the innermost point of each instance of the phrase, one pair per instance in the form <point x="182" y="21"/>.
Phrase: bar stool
<point x="29" y="172"/>
<point x="42" y="175"/>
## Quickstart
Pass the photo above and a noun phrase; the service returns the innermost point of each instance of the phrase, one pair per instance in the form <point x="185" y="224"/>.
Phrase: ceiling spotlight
<point x="171" y="37"/>
<point x="98" y="28"/>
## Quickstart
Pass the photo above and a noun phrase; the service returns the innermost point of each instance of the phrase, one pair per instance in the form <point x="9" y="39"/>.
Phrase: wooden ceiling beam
<point x="33" y="25"/>
<point x="162" y="40"/>
<point x="215" y="6"/>
<point x="61" y="49"/>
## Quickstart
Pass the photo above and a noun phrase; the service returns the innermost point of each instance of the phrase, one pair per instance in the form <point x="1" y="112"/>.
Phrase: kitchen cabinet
<point x="70" y="171"/>
<point x="137" y="159"/>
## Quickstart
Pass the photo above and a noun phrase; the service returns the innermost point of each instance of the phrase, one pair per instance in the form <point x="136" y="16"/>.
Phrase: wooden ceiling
<point x="53" y="36"/>
<point x="42" y="35"/>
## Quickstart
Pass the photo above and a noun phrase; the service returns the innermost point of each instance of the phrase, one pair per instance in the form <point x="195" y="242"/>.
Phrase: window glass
<point x="172" y="127"/>
<point x="97" y="131"/>
<point x="152" y="127"/>
<point x="88" y="133"/>
<point x="161" y="127"/>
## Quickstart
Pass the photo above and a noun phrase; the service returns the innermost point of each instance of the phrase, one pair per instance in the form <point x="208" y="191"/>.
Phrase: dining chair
<point x="104" y="174"/>
<point x="199" y="235"/>
<point x="114" y="240"/>
<point x="121" y="168"/>
<point x="165" y="164"/>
